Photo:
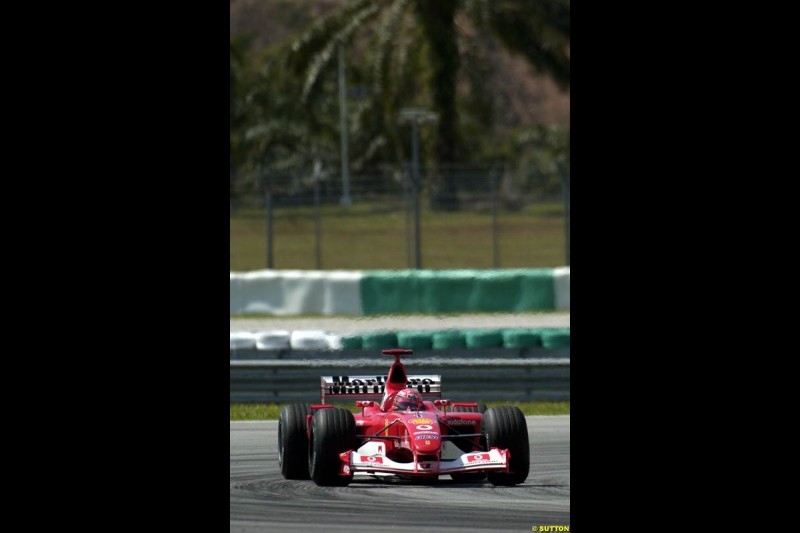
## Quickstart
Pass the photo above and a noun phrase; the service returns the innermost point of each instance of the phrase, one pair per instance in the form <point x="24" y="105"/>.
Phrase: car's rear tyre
<point x="333" y="431"/>
<point x="505" y="427"/>
<point x="461" y="409"/>
<point x="293" y="441"/>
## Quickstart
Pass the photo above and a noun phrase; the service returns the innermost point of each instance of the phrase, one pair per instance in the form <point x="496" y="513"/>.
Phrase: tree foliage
<point x="400" y="53"/>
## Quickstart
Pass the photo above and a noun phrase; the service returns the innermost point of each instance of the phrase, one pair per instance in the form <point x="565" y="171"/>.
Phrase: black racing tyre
<point x="333" y="431"/>
<point x="461" y="409"/>
<point x="505" y="427"/>
<point x="293" y="441"/>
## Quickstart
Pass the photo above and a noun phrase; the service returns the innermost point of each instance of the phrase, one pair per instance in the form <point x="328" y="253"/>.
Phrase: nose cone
<point x="427" y="444"/>
<point x="425" y="434"/>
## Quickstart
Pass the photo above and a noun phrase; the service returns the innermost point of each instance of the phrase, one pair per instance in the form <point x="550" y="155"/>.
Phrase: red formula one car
<point x="400" y="432"/>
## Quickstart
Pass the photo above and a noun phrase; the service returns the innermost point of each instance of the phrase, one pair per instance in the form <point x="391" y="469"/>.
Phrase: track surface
<point x="261" y="500"/>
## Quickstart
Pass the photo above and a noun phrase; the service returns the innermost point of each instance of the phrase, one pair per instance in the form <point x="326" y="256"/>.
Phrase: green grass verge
<point x="370" y="235"/>
<point x="271" y="411"/>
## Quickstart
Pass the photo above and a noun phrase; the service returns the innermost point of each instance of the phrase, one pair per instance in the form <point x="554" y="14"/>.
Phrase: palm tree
<point x="539" y="30"/>
<point x="238" y="83"/>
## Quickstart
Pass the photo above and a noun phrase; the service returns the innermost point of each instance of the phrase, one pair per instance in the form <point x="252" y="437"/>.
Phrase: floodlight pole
<point x="268" y="210"/>
<point x="416" y="117"/>
<point x="345" y="200"/>
<point x="415" y="191"/>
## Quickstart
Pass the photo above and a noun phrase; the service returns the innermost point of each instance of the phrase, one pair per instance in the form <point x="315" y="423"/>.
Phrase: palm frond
<point x="387" y="36"/>
<point x="539" y="31"/>
<point x="322" y="58"/>
<point x="317" y="36"/>
<point x="479" y="11"/>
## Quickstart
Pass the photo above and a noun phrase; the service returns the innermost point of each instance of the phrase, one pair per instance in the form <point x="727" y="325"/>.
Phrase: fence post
<point x="317" y="222"/>
<point x="268" y="209"/>
<point x="416" y="116"/>
<point x="493" y="185"/>
<point x="415" y="183"/>
<point x="407" y="198"/>
<point x="346" y="200"/>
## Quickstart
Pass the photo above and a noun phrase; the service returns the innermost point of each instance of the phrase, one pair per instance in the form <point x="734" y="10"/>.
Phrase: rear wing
<point x="373" y="387"/>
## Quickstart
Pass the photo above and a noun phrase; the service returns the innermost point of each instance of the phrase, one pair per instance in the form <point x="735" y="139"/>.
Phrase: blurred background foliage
<point x="496" y="73"/>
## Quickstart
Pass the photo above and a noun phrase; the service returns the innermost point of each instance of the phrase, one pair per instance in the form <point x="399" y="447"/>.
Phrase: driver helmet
<point x="407" y="398"/>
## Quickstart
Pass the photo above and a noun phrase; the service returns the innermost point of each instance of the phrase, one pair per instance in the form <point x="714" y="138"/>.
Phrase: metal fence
<point x="506" y="211"/>
<point x="529" y="374"/>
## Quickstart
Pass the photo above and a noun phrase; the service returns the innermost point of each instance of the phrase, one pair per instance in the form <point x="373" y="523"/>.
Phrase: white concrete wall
<point x="324" y="292"/>
<point x="561" y="281"/>
<point x="296" y="292"/>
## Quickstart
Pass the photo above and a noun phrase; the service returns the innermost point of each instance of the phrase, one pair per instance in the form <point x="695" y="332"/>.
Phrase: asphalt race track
<point x="261" y="500"/>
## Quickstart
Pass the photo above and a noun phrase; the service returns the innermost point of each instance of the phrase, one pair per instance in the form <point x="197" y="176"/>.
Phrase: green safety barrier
<point x="415" y="340"/>
<point x="380" y="340"/>
<point x="448" y="339"/>
<point x="556" y="338"/>
<point x="512" y="338"/>
<point x="352" y="342"/>
<point x="522" y="338"/>
<point x="454" y="291"/>
<point x="484" y="338"/>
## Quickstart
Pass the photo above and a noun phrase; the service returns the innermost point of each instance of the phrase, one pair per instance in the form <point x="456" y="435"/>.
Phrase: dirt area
<point x="362" y="324"/>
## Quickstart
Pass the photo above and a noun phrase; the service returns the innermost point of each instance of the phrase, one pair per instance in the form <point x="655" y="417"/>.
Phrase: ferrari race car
<point x="400" y="432"/>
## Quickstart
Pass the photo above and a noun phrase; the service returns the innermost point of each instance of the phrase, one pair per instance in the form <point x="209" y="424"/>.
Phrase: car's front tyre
<point x="505" y="427"/>
<point x="333" y="431"/>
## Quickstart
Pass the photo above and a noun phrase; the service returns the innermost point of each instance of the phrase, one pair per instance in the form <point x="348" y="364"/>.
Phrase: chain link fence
<point x="459" y="216"/>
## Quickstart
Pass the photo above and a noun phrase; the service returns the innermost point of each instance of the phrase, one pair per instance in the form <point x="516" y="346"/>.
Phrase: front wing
<point x="362" y="461"/>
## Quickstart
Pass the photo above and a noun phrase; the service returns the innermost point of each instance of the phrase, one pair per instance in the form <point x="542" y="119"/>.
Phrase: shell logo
<point x="420" y="421"/>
